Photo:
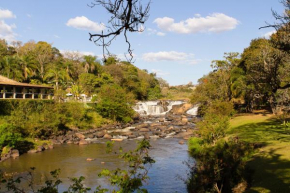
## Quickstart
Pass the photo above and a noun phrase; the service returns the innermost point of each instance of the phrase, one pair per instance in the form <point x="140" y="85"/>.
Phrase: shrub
<point x="115" y="104"/>
<point x="220" y="167"/>
<point x="9" y="136"/>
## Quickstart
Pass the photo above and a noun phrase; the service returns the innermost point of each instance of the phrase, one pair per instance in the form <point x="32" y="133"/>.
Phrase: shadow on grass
<point x="262" y="132"/>
<point x="272" y="173"/>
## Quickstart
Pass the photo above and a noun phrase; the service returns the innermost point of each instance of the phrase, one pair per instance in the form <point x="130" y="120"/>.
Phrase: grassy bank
<point x="272" y="161"/>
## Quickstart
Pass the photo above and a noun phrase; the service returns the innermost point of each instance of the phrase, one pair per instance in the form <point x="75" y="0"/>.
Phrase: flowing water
<point x="155" y="107"/>
<point x="164" y="175"/>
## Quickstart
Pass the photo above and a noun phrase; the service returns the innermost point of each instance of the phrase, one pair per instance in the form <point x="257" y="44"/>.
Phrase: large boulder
<point x="80" y="136"/>
<point x="181" y="109"/>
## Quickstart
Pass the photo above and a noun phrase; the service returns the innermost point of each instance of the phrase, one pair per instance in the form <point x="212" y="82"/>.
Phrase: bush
<point x="9" y="136"/>
<point x="115" y="104"/>
<point x="37" y="118"/>
<point x="219" y="168"/>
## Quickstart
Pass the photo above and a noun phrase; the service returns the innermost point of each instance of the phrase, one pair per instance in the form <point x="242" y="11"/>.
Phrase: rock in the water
<point x="100" y="134"/>
<point x="184" y="120"/>
<point x="83" y="142"/>
<point x="40" y="148"/>
<point x="181" y="142"/>
<point x="32" y="151"/>
<point x="107" y="136"/>
<point x="144" y="125"/>
<point x="80" y="136"/>
<point x="144" y="130"/>
<point x="116" y="139"/>
<point x="14" y="153"/>
<point x="90" y="159"/>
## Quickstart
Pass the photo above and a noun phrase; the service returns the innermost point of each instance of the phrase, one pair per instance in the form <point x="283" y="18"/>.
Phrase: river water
<point x="164" y="175"/>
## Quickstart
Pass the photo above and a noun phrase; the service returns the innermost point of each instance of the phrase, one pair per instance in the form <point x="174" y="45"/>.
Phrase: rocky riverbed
<point x="174" y="124"/>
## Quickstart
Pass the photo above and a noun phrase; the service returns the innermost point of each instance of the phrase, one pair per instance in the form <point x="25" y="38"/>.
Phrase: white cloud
<point x="217" y="22"/>
<point x="84" y="23"/>
<point x="6" y="14"/>
<point x="6" y="30"/>
<point x="56" y="36"/>
<point x="155" y="32"/>
<point x="172" y="56"/>
<point x="268" y="34"/>
<point x="160" y="72"/>
<point x="28" y="15"/>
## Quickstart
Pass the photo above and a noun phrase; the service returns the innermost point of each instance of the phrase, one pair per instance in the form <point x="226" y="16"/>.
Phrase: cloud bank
<point x="83" y="23"/>
<point x="217" y="22"/>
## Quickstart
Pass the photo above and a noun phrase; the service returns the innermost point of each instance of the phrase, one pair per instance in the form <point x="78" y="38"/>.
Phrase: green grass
<point x="272" y="162"/>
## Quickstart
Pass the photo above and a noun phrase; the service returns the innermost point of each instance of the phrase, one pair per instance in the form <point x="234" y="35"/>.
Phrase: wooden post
<point x="14" y="92"/>
<point x="4" y="92"/>
<point x="23" y="91"/>
<point x="32" y="93"/>
<point x="41" y="93"/>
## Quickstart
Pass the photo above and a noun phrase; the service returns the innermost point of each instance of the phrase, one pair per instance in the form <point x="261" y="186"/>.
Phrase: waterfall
<point x="193" y="111"/>
<point x="155" y="107"/>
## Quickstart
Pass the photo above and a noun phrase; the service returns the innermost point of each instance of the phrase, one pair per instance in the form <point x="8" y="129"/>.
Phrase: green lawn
<point x="272" y="162"/>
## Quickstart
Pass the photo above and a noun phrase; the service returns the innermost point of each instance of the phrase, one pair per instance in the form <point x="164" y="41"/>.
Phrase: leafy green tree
<point x="115" y="103"/>
<point x="88" y="82"/>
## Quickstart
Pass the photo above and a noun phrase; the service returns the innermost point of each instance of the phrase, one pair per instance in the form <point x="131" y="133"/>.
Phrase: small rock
<point x="14" y="153"/>
<point x="40" y="148"/>
<point x="100" y="134"/>
<point x="116" y="139"/>
<point x="83" y="142"/>
<point x="181" y="142"/>
<point x="144" y="130"/>
<point x="107" y="136"/>
<point x="80" y="136"/>
<point x="90" y="159"/>
<point x="32" y="151"/>
<point x="69" y="142"/>
<point x="102" y="162"/>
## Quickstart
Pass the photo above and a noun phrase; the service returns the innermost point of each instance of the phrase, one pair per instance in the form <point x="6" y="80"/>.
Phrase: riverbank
<point x="150" y="127"/>
<point x="271" y="163"/>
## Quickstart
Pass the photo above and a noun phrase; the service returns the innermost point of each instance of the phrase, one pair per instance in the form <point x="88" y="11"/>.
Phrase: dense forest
<point x="40" y="63"/>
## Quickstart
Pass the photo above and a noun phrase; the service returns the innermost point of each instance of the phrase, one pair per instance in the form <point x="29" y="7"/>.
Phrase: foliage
<point x="131" y="180"/>
<point x="219" y="168"/>
<point x="44" y="118"/>
<point x="9" y="136"/>
<point x="115" y="104"/>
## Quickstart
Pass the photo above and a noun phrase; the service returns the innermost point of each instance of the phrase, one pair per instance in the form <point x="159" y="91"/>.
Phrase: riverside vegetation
<point x="228" y="145"/>
<point x="231" y="146"/>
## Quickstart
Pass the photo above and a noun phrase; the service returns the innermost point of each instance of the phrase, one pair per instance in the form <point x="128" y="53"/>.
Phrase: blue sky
<point x="180" y="40"/>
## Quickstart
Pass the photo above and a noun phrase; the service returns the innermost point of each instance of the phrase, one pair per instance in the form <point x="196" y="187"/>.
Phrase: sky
<point x="179" y="41"/>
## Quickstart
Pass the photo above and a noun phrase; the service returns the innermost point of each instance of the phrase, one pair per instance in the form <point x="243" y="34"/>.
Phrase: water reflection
<point x="71" y="159"/>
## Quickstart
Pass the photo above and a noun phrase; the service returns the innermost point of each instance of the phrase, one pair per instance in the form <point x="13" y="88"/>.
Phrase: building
<point x="11" y="89"/>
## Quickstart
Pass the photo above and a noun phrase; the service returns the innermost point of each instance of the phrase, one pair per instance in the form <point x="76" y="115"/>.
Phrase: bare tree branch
<point x="126" y="15"/>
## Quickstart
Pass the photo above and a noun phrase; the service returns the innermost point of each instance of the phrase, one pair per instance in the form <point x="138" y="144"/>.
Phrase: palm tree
<point x="10" y="68"/>
<point x="56" y="76"/>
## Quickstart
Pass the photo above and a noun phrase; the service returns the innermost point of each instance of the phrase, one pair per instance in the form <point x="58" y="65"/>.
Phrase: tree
<point x="91" y="65"/>
<point x="43" y="55"/>
<point x="126" y="16"/>
<point x="115" y="103"/>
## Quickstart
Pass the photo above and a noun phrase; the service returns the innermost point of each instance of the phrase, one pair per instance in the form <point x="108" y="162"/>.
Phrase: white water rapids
<point x="158" y="108"/>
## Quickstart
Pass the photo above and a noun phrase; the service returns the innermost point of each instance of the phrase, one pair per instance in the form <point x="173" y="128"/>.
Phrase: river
<point x="164" y="175"/>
